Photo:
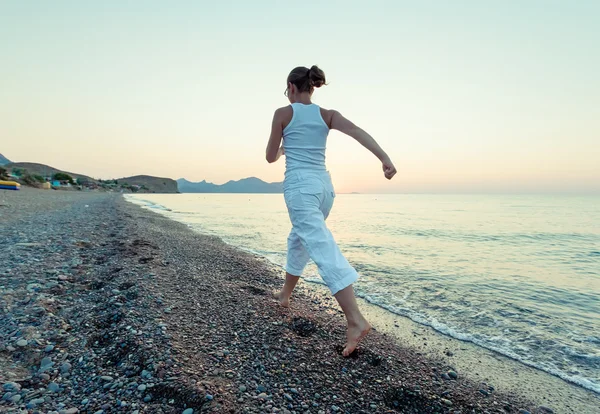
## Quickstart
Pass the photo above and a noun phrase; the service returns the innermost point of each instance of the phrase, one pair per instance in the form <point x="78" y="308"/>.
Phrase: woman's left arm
<point x="274" y="148"/>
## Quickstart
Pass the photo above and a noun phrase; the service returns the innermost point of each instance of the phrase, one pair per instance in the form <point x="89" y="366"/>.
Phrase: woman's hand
<point x="388" y="168"/>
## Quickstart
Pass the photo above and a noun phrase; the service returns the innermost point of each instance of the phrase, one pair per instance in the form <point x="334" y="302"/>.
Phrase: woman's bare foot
<point x="283" y="300"/>
<point x="358" y="327"/>
<point x="283" y="296"/>
<point x="355" y="334"/>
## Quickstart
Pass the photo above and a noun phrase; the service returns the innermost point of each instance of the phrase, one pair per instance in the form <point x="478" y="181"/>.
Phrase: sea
<point x="516" y="274"/>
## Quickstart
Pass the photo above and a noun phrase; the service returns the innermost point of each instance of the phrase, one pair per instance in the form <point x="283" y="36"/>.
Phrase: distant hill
<point x="246" y="185"/>
<point x="4" y="160"/>
<point x="45" y="170"/>
<point x="153" y="184"/>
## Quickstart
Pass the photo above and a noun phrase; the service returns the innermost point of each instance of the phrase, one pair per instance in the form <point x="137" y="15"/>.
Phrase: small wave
<point x="482" y="342"/>
<point x="145" y="203"/>
<point x="590" y="360"/>
<point x="510" y="238"/>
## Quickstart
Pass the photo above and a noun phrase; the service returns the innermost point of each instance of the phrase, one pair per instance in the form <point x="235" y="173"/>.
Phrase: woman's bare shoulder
<point x="327" y="115"/>
<point x="284" y="114"/>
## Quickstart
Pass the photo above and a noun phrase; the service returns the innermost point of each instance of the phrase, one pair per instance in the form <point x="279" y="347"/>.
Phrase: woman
<point x="309" y="193"/>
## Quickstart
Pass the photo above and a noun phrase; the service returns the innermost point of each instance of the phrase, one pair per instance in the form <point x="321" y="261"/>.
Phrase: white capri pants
<point x="309" y="197"/>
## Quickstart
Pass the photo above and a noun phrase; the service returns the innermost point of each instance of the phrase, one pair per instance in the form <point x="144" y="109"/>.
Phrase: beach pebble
<point x="261" y="388"/>
<point x="484" y="392"/>
<point x="522" y="411"/>
<point x="53" y="387"/>
<point x="546" y="410"/>
<point x="65" y="367"/>
<point x="188" y="411"/>
<point x="452" y="374"/>
<point x="106" y="378"/>
<point x="142" y="387"/>
<point x="46" y="364"/>
<point x="446" y="402"/>
<point x="84" y="402"/>
<point x="49" y="348"/>
<point x="11" y="386"/>
<point x="243" y="388"/>
<point x="37" y="401"/>
<point x="22" y="342"/>
<point x="209" y="397"/>
<point x="15" y="399"/>
<point x="335" y="408"/>
<point x="32" y="287"/>
<point x="263" y="395"/>
<point x="288" y="397"/>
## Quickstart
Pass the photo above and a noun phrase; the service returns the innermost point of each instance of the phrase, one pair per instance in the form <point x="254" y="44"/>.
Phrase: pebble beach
<point x="110" y="308"/>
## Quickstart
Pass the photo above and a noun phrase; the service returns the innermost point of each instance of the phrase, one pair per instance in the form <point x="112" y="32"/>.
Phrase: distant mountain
<point x="4" y="160"/>
<point x="246" y="185"/>
<point x="153" y="184"/>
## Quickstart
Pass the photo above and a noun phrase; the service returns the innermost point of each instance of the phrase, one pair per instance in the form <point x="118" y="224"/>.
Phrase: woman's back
<point x="305" y="139"/>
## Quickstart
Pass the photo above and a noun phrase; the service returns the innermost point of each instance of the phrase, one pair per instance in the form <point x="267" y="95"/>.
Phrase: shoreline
<point x="109" y="307"/>
<point x="568" y="374"/>
<point x="511" y="375"/>
<point x="477" y="363"/>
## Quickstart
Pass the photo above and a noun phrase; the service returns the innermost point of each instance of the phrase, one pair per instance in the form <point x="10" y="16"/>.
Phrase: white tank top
<point x="305" y="139"/>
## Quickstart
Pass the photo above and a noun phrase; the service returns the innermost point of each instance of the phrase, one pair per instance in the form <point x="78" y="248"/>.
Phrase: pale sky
<point x="464" y="95"/>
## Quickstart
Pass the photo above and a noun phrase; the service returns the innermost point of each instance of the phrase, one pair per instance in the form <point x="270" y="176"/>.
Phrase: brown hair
<point x="306" y="79"/>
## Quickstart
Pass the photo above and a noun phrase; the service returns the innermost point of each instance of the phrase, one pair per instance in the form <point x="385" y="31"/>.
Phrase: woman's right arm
<point x="340" y="123"/>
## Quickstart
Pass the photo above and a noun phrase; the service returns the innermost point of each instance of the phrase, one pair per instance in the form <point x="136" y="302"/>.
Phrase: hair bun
<point x="306" y="79"/>
<point x="316" y="77"/>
